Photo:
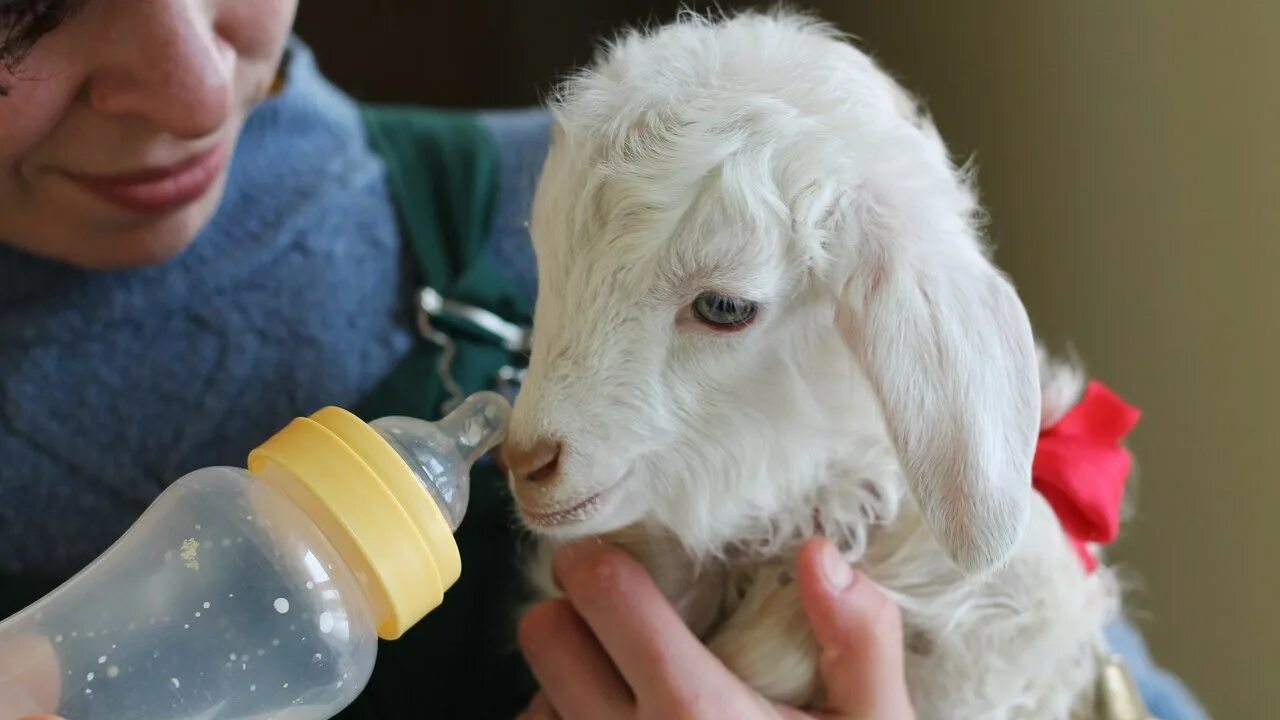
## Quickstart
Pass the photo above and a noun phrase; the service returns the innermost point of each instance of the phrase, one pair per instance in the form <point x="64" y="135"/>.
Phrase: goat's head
<point x="747" y="239"/>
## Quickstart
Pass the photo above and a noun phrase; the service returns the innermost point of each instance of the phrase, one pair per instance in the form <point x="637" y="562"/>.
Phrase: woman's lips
<point x="158" y="190"/>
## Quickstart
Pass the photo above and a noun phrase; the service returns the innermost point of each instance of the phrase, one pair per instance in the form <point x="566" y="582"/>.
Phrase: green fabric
<point x="460" y="661"/>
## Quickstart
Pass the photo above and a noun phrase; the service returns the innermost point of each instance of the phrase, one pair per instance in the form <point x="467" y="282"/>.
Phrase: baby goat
<point x="766" y="312"/>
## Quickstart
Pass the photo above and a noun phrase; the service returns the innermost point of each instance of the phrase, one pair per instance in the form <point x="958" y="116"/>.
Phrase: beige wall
<point x="1130" y="155"/>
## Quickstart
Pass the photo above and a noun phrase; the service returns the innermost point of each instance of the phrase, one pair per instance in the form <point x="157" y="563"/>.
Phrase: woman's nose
<point x="165" y="64"/>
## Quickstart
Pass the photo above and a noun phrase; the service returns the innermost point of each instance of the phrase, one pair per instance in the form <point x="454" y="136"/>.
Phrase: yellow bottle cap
<point x="371" y="506"/>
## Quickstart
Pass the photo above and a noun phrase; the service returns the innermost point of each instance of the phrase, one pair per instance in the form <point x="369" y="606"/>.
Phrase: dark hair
<point x="23" y="22"/>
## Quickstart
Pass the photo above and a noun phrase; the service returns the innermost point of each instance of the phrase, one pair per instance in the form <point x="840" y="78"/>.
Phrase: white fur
<point x="889" y="396"/>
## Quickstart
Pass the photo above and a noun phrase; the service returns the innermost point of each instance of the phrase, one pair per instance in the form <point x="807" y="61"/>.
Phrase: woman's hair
<point x="23" y="22"/>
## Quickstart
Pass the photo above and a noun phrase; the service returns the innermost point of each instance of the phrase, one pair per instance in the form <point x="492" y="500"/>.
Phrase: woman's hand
<point x="29" y="679"/>
<point x="615" y="648"/>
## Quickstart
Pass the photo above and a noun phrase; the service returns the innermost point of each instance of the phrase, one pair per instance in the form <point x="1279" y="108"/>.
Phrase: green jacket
<point x="461" y="660"/>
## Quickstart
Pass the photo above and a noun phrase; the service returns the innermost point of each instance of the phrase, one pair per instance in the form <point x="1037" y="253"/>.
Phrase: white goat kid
<point x="765" y="312"/>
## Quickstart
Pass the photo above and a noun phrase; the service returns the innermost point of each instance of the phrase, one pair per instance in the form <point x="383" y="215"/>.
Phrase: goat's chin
<point x="611" y="509"/>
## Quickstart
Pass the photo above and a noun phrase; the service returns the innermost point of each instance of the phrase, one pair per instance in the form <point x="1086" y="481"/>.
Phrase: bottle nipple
<point x="441" y="453"/>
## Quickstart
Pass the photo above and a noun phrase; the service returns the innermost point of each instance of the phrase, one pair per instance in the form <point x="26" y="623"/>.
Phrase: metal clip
<point x="444" y="363"/>
<point x="513" y="338"/>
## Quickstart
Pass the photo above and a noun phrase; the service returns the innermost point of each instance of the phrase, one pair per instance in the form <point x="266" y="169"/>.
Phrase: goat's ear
<point x="949" y="349"/>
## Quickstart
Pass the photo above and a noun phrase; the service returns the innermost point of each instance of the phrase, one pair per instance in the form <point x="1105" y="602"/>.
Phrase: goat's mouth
<point x="576" y="512"/>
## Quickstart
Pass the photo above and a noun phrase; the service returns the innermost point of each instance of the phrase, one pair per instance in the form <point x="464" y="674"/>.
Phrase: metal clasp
<point x="515" y="339"/>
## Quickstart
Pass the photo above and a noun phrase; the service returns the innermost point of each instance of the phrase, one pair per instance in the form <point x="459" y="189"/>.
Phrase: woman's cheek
<point x="40" y="96"/>
<point x="257" y="29"/>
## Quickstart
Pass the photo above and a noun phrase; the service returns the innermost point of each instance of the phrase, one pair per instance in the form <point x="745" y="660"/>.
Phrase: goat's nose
<point x="537" y="463"/>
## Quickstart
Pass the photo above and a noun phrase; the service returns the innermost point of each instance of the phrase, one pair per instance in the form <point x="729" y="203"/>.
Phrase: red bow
<point x="1080" y="468"/>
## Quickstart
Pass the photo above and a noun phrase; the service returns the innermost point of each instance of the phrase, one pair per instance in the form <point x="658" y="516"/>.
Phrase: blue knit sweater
<point x="113" y="385"/>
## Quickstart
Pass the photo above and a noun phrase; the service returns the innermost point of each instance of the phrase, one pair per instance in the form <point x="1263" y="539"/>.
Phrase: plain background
<point x="1129" y="154"/>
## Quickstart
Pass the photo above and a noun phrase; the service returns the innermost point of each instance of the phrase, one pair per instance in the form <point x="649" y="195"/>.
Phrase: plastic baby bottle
<point x="259" y="593"/>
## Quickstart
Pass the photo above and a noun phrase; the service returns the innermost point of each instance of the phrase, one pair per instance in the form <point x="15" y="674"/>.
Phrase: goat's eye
<point x="724" y="312"/>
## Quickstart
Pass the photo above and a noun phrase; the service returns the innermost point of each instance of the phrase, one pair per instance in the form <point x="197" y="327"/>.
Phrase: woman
<point x="203" y="239"/>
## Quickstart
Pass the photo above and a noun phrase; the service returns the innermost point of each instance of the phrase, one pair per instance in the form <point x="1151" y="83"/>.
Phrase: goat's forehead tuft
<point x="663" y="112"/>
<point x="705" y="204"/>
<point x="671" y="75"/>
<point x="754" y="121"/>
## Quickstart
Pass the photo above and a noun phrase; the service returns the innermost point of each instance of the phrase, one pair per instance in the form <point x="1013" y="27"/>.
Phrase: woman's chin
<point x="94" y="236"/>
<point x="156" y="240"/>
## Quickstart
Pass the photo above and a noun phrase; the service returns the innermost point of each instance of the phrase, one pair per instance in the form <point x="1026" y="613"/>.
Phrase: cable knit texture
<point x="113" y="385"/>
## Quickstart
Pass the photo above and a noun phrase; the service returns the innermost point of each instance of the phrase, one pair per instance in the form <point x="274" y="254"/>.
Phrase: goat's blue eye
<point x="724" y="312"/>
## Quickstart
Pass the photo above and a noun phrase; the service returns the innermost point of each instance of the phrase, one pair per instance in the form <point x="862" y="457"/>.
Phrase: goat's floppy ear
<point x="948" y="348"/>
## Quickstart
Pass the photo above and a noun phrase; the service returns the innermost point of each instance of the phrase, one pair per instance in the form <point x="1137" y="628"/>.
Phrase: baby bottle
<point x="259" y="593"/>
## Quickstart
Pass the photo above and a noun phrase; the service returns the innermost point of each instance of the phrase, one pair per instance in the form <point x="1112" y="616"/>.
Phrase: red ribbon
<point x="1080" y="468"/>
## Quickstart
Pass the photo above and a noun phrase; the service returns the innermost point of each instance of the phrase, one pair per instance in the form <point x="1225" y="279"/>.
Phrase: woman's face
<point x="119" y="125"/>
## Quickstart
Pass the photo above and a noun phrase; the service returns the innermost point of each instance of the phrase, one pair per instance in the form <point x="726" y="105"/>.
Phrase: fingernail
<point x="836" y="568"/>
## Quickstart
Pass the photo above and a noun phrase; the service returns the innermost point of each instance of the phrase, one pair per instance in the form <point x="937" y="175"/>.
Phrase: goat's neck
<point x="695" y="589"/>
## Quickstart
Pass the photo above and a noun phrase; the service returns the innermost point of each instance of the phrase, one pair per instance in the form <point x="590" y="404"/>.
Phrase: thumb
<point x="860" y="632"/>
<point x="30" y="682"/>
